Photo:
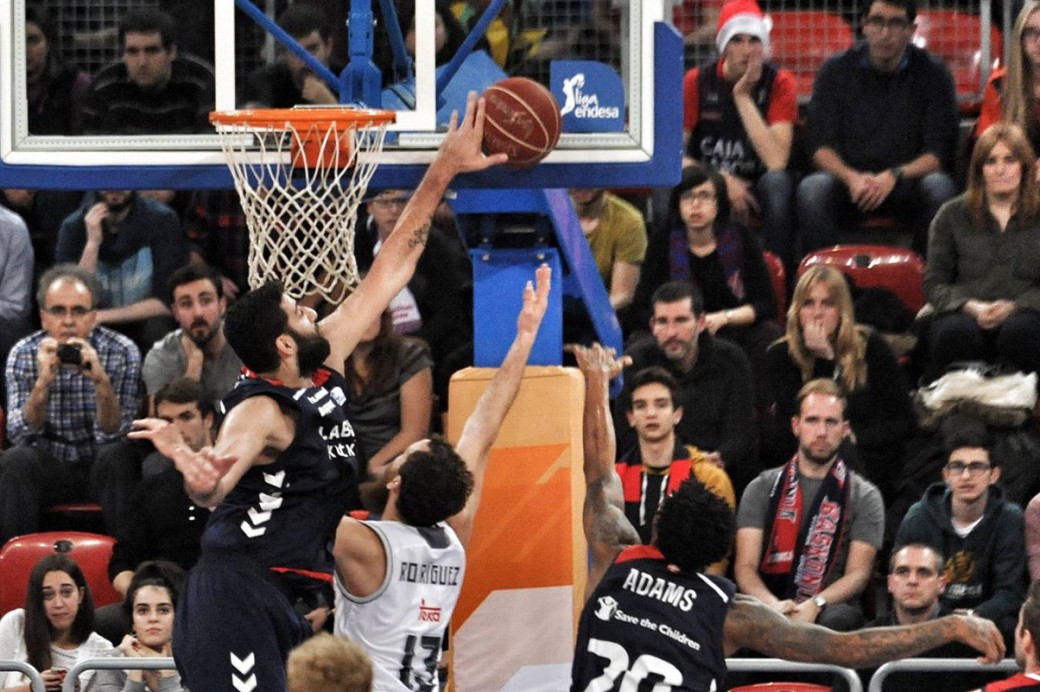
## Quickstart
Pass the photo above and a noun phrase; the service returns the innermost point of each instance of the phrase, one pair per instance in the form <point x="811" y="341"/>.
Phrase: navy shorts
<point x="234" y="627"/>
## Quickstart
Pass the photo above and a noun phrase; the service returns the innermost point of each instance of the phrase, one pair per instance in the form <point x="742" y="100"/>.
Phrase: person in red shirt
<point x="738" y="118"/>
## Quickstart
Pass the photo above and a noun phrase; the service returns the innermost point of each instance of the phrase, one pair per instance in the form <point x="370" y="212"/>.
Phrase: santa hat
<point x="741" y="17"/>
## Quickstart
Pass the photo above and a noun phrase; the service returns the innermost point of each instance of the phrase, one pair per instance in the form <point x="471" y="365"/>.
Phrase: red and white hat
<point x="741" y="17"/>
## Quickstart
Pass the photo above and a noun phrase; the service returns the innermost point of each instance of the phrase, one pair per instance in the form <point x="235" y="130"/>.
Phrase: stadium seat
<point x="779" y="278"/>
<point x="781" y="687"/>
<point x="91" y="552"/>
<point x="956" y="37"/>
<point x="802" y="40"/>
<point x="876" y="266"/>
<point x="74" y="516"/>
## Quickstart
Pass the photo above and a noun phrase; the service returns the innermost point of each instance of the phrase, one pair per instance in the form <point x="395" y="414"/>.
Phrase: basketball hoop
<point x="300" y="174"/>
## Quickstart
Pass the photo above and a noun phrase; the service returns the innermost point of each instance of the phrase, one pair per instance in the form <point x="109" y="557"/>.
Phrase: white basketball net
<point x="301" y="207"/>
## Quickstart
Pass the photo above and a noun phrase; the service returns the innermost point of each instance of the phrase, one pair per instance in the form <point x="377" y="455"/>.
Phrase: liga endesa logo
<point x="591" y="95"/>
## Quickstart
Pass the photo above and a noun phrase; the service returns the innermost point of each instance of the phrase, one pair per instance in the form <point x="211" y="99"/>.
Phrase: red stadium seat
<point x="782" y="687"/>
<point x="74" y="516"/>
<point x="91" y="552"/>
<point x="876" y="266"/>
<point x="779" y="278"/>
<point x="956" y="37"/>
<point x="802" y="40"/>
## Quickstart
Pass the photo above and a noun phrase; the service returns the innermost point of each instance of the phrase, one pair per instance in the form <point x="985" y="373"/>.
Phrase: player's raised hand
<point x="536" y="300"/>
<point x="598" y="360"/>
<point x="462" y="146"/>
<point x="202" y="470"/>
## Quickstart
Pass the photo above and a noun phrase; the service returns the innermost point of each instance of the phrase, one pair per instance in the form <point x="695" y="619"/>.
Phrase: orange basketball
<point x="522" y="120"/>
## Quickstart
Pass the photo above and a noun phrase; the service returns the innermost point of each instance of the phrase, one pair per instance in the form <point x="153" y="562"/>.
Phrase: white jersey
<point x="402" y="624"/>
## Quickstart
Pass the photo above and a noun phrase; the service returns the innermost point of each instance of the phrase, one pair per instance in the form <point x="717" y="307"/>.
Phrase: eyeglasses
<point x="702" y="197"/>
<point x="974" y="468"/>
<point x="61" y="311"/>
<point x="878" y="23"/>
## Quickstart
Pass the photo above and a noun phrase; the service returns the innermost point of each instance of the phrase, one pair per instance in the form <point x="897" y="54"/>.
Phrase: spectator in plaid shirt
<point x="72" y="391"/>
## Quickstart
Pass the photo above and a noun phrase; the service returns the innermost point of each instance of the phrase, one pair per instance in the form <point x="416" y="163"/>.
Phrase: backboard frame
<point x="649" y="152"/>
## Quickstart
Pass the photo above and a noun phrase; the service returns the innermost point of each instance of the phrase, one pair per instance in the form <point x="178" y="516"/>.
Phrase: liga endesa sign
<point x="591" y="96"/>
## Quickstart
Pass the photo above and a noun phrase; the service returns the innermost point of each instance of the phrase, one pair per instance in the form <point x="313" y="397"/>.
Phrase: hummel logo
<point x="245" y="679"/>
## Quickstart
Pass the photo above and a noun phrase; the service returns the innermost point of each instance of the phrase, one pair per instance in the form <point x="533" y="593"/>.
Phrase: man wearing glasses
<point x="883" y="132"/>
<point x="72" y="391"/>
<point x="981" y="534"/>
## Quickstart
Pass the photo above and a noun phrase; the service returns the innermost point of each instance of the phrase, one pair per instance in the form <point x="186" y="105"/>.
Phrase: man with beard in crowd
<point x="197" y="349"/>
<point x="284" y="468"/>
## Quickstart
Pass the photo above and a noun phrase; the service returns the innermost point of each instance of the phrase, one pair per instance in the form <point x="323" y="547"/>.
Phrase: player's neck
<point x="812" y="469"/>
<point x="657" y="454"/>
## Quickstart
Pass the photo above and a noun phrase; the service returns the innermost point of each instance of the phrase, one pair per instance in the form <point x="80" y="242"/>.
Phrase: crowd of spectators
<point x="764" y="408"/>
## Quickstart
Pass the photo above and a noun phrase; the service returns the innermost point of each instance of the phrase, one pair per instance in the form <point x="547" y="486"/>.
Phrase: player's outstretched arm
<point x="481" y="429"/>
<point x="393" y="267"/>
<point x="752" y="624"/>
<point x="212" y="472"/>
<point x="607" y="529"/>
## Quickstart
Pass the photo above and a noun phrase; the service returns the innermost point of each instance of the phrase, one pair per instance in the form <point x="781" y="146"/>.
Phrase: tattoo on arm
<point x="420" y="236"/>
<point x="754" y="625"/>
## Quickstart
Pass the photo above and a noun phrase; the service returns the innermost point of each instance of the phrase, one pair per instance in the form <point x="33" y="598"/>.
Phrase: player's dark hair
<point x="185" y="390"/>
<point x="148" y="20"/>
<point x="38" y="631"/>
<point x="694" y="527"/>
<point x="654" y="374"/>
<point x="435" y="484"/>
<point x="300" y="19"/>
<point x="71" y="272"/>
<point x="196" y="271"/>
<point x="159" y="573"/>
<point x="252" y="324"/>
<point x="674" y="291"/>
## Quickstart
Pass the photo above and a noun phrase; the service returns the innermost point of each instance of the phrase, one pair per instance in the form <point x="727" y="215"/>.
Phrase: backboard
<point x="614" y="65"/>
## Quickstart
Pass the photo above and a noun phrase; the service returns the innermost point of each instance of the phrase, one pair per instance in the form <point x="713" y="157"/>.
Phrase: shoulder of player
<point x="357" y="542"/>
<point x="259" y="412"/>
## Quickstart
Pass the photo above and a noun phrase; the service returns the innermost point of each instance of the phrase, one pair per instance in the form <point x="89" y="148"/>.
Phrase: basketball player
<point x="284" y="467"/>
<point x="652" y="614"/>
<point x="398" y="579"/>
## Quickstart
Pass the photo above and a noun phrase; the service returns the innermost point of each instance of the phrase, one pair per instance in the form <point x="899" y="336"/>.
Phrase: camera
<point x="70" y="354"/>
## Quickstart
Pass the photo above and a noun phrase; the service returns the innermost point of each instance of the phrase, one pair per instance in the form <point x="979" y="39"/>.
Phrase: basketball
<point x="522" y="119"/>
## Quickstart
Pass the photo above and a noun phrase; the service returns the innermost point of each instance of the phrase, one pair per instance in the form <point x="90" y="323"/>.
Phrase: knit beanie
<point x="741" y="17"/>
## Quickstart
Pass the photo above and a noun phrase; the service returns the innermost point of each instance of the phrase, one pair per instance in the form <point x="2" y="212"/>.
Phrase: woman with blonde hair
<point x="1011" y="93"/>
<point x="823" y="340"/>
<point x="983" y="271"/>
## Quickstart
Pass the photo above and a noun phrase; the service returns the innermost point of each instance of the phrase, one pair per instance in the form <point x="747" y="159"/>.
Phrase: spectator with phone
<point x="55" y="629"/>
<point x="72" y="391"/>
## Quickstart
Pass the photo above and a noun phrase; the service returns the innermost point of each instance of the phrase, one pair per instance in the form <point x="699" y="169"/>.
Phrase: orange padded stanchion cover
<point x="527" y="564"/>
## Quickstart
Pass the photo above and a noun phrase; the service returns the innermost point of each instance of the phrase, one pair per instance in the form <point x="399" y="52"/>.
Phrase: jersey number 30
<point x="620" y="677"/>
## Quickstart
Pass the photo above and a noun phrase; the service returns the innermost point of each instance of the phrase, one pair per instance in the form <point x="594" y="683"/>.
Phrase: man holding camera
<point x="72" y="391"/>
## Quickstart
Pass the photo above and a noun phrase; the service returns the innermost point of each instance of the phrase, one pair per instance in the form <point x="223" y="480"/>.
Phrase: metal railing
<point x="779" y="665"/>
<point x="113" y="663"/>
<point x="35" y="681"/>
<point x="940" y="665"/>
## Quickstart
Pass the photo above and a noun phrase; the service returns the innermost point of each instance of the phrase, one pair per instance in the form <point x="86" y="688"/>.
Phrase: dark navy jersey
<point x="285" y="514"/>
<point x="648" y="628"/>
<point x="719" y="138"/>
